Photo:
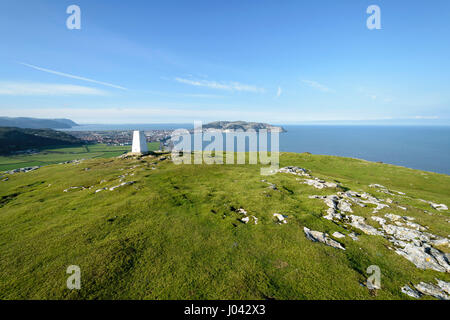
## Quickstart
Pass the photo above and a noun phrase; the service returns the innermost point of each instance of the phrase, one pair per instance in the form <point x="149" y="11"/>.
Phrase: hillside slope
<point x="15" y="139"/>
<point x="177" y="231"/>
<point x="35" y="123"/>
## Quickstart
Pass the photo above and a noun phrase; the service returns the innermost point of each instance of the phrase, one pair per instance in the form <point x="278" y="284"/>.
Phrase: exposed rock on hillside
<point x="280" y="218"/>
<point x="409" y="238"/>
<point x="295" y="170"/>
<point x="122" y="185"/>
<point x="440" y="291"/>
<point x="439" y="207"/>
<point x="23" y="170"/>
<point x="317" y="236"/>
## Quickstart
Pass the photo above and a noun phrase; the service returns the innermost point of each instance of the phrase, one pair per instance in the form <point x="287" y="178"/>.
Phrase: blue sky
<point x="179" y="61"/>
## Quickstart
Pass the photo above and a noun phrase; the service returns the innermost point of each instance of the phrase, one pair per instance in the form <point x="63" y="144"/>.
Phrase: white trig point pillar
<point x="139" y="142"/>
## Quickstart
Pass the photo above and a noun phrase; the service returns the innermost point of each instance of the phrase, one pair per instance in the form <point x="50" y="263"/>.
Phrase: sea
<point x="419" y="147"/>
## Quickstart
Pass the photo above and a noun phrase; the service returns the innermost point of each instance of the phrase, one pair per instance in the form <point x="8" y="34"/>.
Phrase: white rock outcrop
<point x="122" y="185"/>
<point x="433" y="290"/>
<point x="437" y="206"/>
<point x="359" y="223"/>
<point x="338" y="235"/>
<point x="411" y="292"/>
<point x="425" y="257"/>
<point x="295" y="170"/>
<point x="280" y="218"/>
<point x="318" y="236"/>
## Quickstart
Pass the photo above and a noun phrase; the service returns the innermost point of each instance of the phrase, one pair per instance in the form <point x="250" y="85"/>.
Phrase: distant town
<point x="119" y="138"/>
<point x="125" y="137"/>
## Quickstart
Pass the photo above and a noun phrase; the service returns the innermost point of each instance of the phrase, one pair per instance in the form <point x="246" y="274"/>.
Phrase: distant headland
<point x="35" y="123"/>
<point x="242" y="125"/>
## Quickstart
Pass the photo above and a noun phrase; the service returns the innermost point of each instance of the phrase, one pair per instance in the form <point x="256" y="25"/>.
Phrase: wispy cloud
<point x="45" y="89"/>
<point x="318" y="86"/>
<point x="206" y="96"/>
<point x="230" y="86"/>
<point x="426" y="117"/>
<point x="179" y="94"/>
<point x="374" y="95"/>
<point x="72" y="76"/>
<point x="279" y="92"/>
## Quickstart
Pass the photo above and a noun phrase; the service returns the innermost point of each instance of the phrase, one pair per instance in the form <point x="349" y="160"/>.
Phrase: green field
<point x="175" y="232"/>
<point x="61" y="154"/>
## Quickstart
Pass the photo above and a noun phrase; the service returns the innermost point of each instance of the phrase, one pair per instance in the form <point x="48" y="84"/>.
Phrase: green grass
<point x="57" y="154"/>
<point x="174" y="235"/>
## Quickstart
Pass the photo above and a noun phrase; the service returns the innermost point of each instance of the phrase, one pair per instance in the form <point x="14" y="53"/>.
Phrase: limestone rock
<point x="245" y="220"/>
<point x="320" y="184"/>
<point x="332" y="214"/>
<point x="331" y="185"/>
<point x="405" y="234"/>
<point x="439" y="207"/>
<point x="358" y="222"/>
<point x="241" y="211"/>
<point x="441" y="242"/>
<point x="379" y="207"/>
<point x="353" y="236"/>
<point x="71" y="188"/>
<point x="318" y="236"/>
<point x="378" y="219"/>
<point x="444" y="285"/>
<point x="121" y="185"/>
<point x="425" y="257"/>
<point x="411" y="292"/>
<point x="376" y="185"/>
<point x="22" y="170"/>
<point x="315" y="183"/>
<point x="345" y="206"/>
<point x="338" y="235"/>
<point x="393" y="217"/>
<point x="294" y="170"/>
<point x="272" y="186"/>
<point x="415" y="226"/>
<point x="281" y="218"/>
<point x="432" y="290"/>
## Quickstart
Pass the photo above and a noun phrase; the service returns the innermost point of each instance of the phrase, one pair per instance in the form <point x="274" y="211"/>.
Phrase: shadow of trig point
<point x="139" y="143"/>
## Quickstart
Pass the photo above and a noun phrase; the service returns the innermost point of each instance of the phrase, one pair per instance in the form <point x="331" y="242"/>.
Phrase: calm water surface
<point x="418" y="147"/>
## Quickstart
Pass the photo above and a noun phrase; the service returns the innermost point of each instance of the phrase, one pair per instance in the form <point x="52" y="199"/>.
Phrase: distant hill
<point x="16" y="139"/>
<point x="241" y="125"/>
<point x="35" y="123"/>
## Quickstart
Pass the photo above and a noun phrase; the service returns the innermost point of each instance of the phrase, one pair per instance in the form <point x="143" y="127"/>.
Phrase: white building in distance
<point x="139" y="143"/>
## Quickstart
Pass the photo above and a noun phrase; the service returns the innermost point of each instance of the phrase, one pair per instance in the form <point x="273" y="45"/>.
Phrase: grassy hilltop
<point x="15" y="139"/>
<point x="56" y="154"/>
<point x="175" y="233"/>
